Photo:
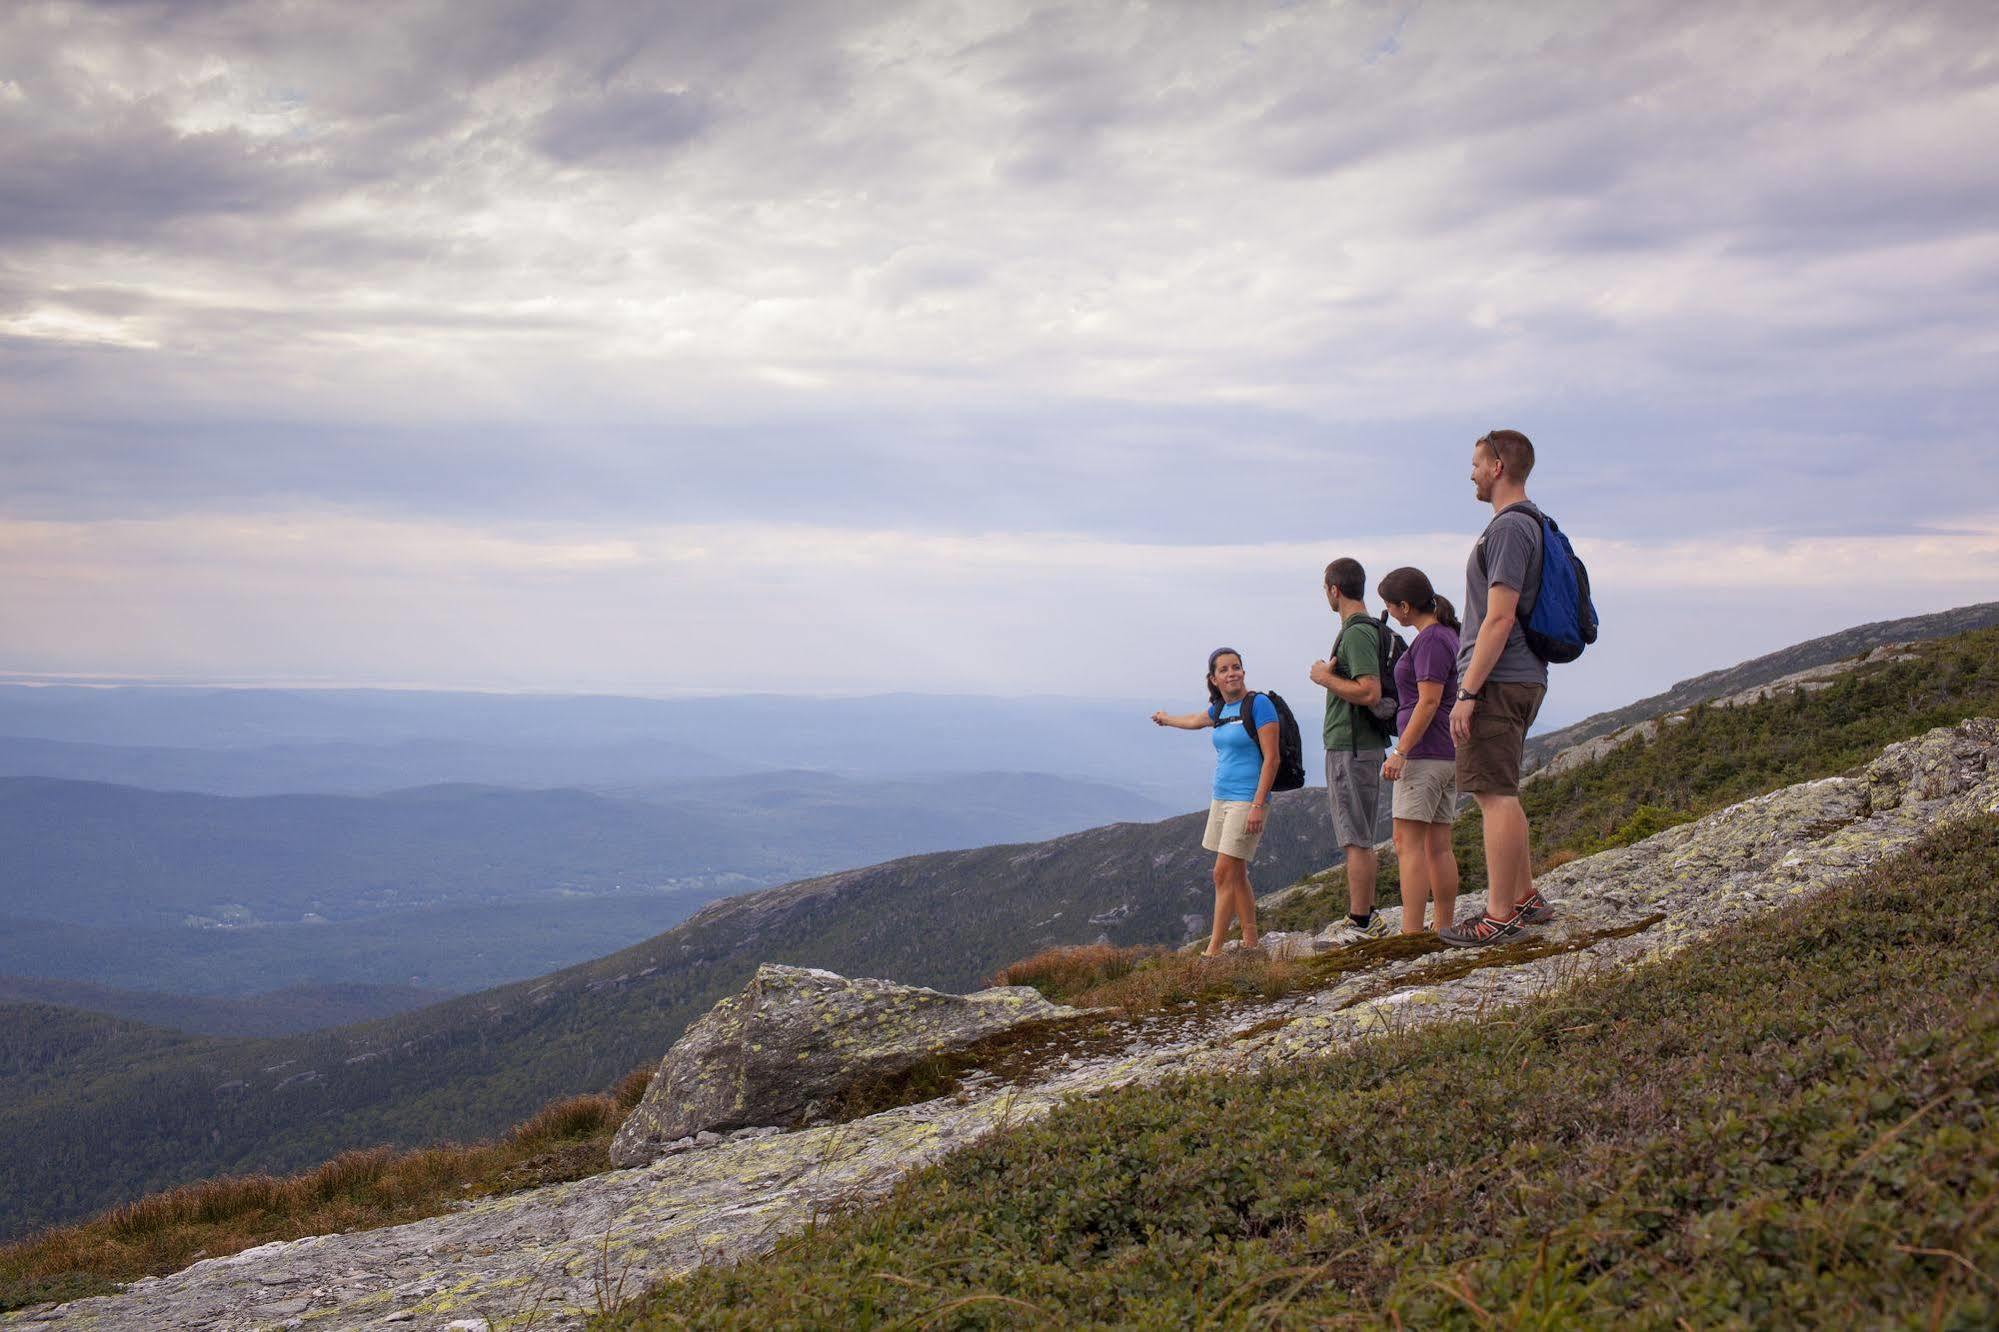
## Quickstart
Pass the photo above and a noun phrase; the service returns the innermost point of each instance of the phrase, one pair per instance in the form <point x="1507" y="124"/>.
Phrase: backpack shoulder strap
<point x="1530" y="593"/>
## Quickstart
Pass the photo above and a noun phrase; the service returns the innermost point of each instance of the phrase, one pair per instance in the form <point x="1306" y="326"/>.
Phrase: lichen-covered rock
<point x="1292" y="944"/>
<point x="797" y="1037"/>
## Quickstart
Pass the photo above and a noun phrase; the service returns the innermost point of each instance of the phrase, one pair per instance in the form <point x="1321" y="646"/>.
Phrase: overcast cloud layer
<point x="973" y="346"/>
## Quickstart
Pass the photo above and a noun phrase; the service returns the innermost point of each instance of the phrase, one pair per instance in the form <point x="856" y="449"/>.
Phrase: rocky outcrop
<point x="555" y="1255"/>
<point x="796" y="1039"/>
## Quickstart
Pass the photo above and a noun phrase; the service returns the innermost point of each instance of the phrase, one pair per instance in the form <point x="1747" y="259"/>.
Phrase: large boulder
<point x="796" y="1038"/>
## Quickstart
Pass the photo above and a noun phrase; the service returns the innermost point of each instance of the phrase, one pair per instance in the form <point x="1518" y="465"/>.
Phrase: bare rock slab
<point x="797" y="1037"/>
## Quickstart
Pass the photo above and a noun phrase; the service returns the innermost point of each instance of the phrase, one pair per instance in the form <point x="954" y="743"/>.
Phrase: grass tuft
<point x="631" y="1088"/>
<point x="577" y="1117"/>
<point x="1060" y="974"/>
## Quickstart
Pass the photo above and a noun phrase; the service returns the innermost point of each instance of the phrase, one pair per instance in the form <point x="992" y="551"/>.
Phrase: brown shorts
<point x="1489" y="762"/>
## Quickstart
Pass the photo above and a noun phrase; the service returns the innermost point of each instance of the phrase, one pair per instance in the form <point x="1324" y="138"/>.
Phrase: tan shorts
<point x="1427" y="791"/>
<point x="1228" y="831"/>
<point x="1489" y="762"/>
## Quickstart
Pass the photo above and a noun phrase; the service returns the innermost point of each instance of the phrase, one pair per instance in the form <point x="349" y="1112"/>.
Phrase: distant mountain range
<point x="273" y="741"/>
<point x="94" y="1109"/>
<point x="341" y="767"/>
<point x="274" y="1013"/>
<point x="450" y="887"/>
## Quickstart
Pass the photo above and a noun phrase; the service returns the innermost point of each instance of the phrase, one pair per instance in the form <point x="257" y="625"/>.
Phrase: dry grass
<point x="1061" y="973"/>
<point x="1173" y="979"/>
<point x="359" y="1190"/>
<point x="1148" y="980"/>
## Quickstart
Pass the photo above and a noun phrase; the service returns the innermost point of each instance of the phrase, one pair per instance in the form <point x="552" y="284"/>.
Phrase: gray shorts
<point x="1353" y="789"/>
<point x="1427" y="791"/>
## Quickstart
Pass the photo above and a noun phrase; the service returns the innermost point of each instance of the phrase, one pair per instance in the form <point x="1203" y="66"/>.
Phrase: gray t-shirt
<point x="1512" y="553"/>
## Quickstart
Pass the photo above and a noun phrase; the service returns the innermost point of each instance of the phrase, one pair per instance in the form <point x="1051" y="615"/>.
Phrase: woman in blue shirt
<point x="1245" y="767"/>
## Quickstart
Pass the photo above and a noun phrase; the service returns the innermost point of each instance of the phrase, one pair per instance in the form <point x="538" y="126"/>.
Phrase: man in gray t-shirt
<point x="1500" y="687"/>
<point x="1509" y="555"/>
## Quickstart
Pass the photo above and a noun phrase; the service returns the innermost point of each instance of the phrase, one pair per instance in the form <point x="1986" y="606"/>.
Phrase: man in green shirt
<point x="1355" y="743"/>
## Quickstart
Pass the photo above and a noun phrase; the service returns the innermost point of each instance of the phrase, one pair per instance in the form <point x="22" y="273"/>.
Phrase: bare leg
<point x="1412" y="853"/>
<point x="1443" y="875"/>
<point x="1361" y="866"/>
<point x="1245" y="902"/>
<point x="1508" y="871"/>
<point x="1224" y="903"/>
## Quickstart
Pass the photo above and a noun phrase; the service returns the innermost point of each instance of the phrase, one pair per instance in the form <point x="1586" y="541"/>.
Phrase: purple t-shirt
<point x="1433" y="656"/>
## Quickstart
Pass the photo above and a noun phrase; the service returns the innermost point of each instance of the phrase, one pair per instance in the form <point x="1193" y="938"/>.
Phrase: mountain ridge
<point x="1845" y="643"/>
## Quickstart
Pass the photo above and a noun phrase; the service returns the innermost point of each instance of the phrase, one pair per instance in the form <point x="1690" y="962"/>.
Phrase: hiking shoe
<point x="1481" y="930"/>
<point x="1346" y="932"/>
<point x="1534" y="909"/>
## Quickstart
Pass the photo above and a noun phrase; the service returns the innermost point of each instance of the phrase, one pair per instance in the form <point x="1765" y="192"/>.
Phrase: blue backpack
<point x="1560" y="620"/>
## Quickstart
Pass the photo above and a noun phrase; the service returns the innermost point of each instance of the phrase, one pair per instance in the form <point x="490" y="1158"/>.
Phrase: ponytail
<point x="1412" y="587"/>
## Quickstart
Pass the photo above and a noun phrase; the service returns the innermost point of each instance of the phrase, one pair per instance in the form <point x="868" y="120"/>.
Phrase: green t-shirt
<point x="1359" y="657"/>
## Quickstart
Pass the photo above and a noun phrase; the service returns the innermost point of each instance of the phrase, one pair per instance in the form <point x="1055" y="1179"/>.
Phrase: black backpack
<point x="1390" y="703"/>
<point x="1290" y="744"/>
<point x="1392" y="646"/>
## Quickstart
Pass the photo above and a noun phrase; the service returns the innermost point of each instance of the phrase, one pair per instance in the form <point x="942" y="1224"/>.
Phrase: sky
<point x="973" y="348"/>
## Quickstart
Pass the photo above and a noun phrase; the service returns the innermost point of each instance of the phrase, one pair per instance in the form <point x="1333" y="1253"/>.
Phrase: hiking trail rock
<point x="784" y="1049"/>
<point x="551" y="1257"/>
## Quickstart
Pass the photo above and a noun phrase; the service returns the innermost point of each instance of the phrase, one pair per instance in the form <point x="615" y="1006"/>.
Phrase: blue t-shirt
<point x="1238" y="755"/>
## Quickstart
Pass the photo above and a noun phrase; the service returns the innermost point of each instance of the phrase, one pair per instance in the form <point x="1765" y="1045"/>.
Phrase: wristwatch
<point x="1467" y="696"/>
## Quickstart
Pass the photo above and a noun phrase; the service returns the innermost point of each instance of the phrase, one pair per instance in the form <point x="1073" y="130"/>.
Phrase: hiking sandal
<point x="1481" y="930"/>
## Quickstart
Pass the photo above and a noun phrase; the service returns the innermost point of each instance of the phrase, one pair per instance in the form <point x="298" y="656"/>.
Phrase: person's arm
<point x="1184" y="721"/>
<point x="1362" y="691"/>
<point x="1266" y="736"/>
<point x="1502" y="608"/>
<point x="1429" y="698"/>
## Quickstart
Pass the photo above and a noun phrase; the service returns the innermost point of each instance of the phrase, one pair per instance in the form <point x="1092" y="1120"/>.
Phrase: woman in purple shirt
<point x="1423" y="766"/>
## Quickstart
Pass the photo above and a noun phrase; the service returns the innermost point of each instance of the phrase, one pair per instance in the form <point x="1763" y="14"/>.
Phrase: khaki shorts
<point x="1427" y="791"/>
<point x="1489" y="762"/>
<point x="1228" y="831"/>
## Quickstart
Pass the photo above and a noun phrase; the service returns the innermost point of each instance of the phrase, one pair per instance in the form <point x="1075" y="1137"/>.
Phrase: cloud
<point x="1157" y="276"/>
<point x="631" y="124"/>
<point x="133" y="175"/>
